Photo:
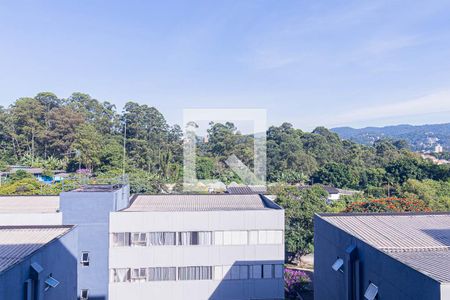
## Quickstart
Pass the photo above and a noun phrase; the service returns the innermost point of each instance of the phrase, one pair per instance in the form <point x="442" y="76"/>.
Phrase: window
<point x="195" y="238"/>
<point x="267" y="271"/>
<point x="138" y="275"/>
<point x="226" y="272"/>
<point x="161" y="238"/>
<point x="218" y="272"/>
<point x="218" y="238"/>
<point x="268" y="237"/>
<point x="138" y="239"/>
<point x="278" y="271"/>
<point x="84" y="295"/>
<point x="194" y="273"/>
<point x="237" y="273"/>
<point x="84" y="259"/>
<point x="278" y="237"/>
<point x="121" y="239"/>
<point x="227" y="238"/>
<point x="256" y="271"/>
<point x="253" y="237"/>
<point x="243" y="272"/>
<point x="235" y="237"/>
<point x="121" y="275"/>
<point x="234" y="272"/>
<point x="262" y="237"/>
<point x="239" y="238"/>
<point x="162" y="274"/>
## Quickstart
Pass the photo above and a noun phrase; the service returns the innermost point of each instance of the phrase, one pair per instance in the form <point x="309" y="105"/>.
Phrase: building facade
<point x="382" y="256"/>
<point x="38" y="262"/>
<point x="163" y="246"/>
<point x="197" y="247"/>
<point x="89" y="208"/>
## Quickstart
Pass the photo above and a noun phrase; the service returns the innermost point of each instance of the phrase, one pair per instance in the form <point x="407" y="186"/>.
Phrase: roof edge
<point x="350" y="214"/>
<point x="70" y="227"/>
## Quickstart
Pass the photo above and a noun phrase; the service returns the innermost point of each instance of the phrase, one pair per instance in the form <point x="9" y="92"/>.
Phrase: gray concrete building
<point x="382" y="256"/>
<point x="38" y="262"/>
<point x="89" y="207"/>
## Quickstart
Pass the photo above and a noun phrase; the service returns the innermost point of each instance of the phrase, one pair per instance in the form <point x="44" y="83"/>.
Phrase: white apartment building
<point x="197" y="247"/>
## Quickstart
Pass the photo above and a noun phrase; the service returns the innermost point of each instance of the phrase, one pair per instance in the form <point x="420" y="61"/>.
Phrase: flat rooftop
<point x="29" y="204"/>
<point x="18" y="242"/>
<point x="207" y="202"/>
<point x="98" y="188"/>
<point x="421" y="241"/>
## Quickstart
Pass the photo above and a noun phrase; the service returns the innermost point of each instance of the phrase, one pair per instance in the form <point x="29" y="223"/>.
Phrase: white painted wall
<point x="208" y="255"/>
<point x="17" y="219"/>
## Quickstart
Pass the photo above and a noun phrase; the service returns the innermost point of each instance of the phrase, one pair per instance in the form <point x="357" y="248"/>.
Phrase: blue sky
<point x="311" y="63"/>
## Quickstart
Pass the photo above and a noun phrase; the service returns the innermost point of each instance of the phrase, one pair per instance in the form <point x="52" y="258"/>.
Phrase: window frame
<point x="85" y="262"/>
<point x="82" y="292"/>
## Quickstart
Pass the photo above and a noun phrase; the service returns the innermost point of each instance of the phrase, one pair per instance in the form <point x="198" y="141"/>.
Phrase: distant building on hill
<point x="334" y="194"/>
<point x="438" y="149"/>
<point x="382" y="256"/>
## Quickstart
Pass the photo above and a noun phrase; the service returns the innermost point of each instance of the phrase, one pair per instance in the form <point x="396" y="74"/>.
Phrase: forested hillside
<point x="53" y="133"/>
<point x="420" y="138"/>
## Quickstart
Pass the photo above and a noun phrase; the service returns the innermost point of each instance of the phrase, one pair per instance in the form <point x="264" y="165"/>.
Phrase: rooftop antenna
<point x="124" y="148"/>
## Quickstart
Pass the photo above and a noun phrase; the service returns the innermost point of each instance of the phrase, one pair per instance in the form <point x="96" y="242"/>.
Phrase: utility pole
<point x="124" y="147"/>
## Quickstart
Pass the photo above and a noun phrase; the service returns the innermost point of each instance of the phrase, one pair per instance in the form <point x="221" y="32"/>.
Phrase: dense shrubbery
<point x="389" y="205"/>
<point x="294" y="282"/>
<point x="53" y="133"/>
<point x="300" y="207"/>
<point x="30" y="186"/>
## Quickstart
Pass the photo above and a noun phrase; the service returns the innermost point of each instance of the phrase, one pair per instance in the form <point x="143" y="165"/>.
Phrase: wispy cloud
<point x="438" y="102"/>
<point x="387" y="45"/>
<point x="264" y="59"/>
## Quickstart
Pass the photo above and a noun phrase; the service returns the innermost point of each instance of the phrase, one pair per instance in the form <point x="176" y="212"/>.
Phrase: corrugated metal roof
<point x="246" y="190"/>
<point x="398" y="232"/>
<point x="421" y="241"/>
<point x="327" y="188"/>
<point x="196" y="202"/>
<point x="434" y="264"/>
<point x="17" y="242"/>
<point x="29" y="204"/>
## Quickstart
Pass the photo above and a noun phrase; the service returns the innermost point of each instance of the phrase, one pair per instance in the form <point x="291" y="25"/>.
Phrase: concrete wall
<point x="90" y="211"/>
<point x="15" y="219"/>
<point x="395" y="280"/>
<point x="207" y="255"/>
<point x="57" y="258"/>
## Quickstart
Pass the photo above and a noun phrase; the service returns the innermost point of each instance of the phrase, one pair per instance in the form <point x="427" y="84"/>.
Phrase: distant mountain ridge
<point x="420" y="137"/>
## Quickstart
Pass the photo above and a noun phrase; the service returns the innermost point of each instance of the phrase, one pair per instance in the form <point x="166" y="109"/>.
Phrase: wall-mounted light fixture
<point x="337" y="266"/>
<point x="51" y="282"/>
<point x="371" y="292"/>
